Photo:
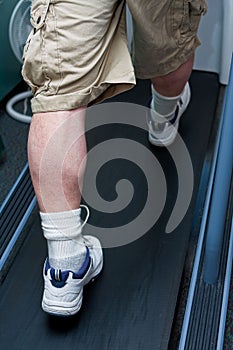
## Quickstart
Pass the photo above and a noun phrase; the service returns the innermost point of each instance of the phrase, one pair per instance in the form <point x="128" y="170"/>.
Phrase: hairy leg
<point x="57" y="158"/>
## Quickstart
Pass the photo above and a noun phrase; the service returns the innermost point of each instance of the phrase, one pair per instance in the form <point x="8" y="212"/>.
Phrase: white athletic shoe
<point x="63" y="290"/>
<point x="162" y="131"/>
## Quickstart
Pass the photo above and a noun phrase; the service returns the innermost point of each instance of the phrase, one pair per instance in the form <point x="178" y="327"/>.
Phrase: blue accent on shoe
<point x="47" y="266"/>
<point x="59" y="278"/>
<point x="58" y="284"/>
<point x="173" y="119"/>
<point x="149" y="102"/>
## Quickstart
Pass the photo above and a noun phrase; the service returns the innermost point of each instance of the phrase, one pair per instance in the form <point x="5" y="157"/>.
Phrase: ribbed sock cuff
<point x="63" y="231"/>
<point x="163" y="105"/>
<point x="62" y="225"/>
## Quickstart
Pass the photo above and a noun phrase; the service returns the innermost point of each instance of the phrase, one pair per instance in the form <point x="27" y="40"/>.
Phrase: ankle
<point x="63" y="231"/>
<point x="164" y="106"/>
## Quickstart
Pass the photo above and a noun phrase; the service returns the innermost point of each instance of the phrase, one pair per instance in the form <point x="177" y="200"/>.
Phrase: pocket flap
<point x="39" y="11"/>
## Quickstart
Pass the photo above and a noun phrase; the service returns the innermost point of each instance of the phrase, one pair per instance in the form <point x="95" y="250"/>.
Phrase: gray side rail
<point x="219" y="201"/>
<point x="206" y="290"/>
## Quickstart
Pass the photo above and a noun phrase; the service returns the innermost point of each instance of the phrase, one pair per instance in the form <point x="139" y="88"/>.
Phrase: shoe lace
<point x="87" y="214"/>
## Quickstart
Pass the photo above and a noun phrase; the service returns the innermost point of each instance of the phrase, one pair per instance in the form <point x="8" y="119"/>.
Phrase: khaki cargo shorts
<point x="77" y="53"/>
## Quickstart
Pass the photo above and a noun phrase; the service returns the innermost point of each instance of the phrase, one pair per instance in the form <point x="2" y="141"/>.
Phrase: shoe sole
<point x="164" y="142"/>
<point x="61" y="311"/>
<point x="66" y="312"/>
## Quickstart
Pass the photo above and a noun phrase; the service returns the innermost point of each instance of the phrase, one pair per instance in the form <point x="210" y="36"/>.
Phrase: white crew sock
<point x="66" y="247"/>
<point x="163" y="105"/>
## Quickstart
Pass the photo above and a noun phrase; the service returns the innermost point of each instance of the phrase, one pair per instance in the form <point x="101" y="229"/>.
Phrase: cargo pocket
<point x="32" y="70"/>
<point x="185" y="17"/>
<point x="197" y="8"/>
<point x="39" y="12"/>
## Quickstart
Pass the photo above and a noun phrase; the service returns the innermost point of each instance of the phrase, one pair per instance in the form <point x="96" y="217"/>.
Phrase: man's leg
<point x="170" y="98"/>
<point x="67" y="67"/>
<point x="172" y="84"/>
<point x="57" y="158"/>
<point x="164" y="42"/>
<point x="56" y="154"/>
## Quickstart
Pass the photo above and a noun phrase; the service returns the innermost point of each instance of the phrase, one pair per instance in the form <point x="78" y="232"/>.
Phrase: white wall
<point x="216" y="35"/>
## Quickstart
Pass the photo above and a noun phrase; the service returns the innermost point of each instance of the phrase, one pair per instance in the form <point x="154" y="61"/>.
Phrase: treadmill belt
<point x="132" y="303"/>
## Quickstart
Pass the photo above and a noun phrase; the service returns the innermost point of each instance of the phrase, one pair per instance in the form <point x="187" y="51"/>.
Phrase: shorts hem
<point x="166" y="68"/>
<point x="50" y="103"/>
